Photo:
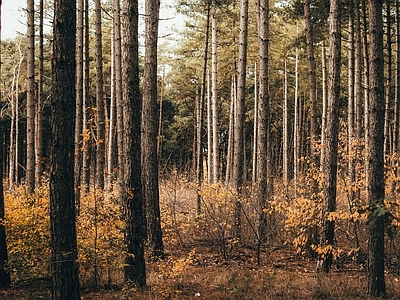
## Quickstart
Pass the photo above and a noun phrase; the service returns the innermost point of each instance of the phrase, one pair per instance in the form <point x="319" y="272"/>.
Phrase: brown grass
<point x="203" y="275"/>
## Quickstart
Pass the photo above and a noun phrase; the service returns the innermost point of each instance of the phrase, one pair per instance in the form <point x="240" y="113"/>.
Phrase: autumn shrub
<point x="178" y="210"/>
<point x="27" y="225"/>
<point x="100" y="237"/>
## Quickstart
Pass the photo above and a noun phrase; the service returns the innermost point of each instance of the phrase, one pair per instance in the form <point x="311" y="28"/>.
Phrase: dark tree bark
<point x="375" y="155"/>
<point x="5" y="279"/>
<point x="131" y="192"/>
<point x="331" y="131"/>
<point x="30" y="99"/>
<point x="79" y="103"/>
<point x="118" y="84"/>
<point x="312" y="80"/>
<point x="200" y="121"/>
<point x="99" y="114"/>
<point x="238" y="153"/>
<point x="263" y="114"/>
<point x="149" y="131"/>
<point x="39" y="104"/>
<point x="65" y="277"/>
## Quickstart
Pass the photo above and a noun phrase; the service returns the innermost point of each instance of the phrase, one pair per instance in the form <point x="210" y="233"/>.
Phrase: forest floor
<point x="204" y="275"/>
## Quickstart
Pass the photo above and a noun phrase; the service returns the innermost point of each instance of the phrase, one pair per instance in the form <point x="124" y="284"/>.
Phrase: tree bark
<point x="30" y="99"/>
<point x="99" y="114"/>
<point x="214" y="94"/>
<point x="375" y="154"/>
<point x="39" y="104"/>
<point x="79" y="103"/>
<point x="331" y="132"/>
<point x="5" y="279"/>
<point x="65" y="277"/>
<point x="312" y="80"/>
<point x="134" y="269"/>
<point x="149" y="132"/>
<point x="263" y="115"/>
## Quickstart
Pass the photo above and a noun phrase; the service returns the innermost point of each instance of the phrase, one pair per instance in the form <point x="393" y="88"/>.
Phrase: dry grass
<point x="205" y="276"/>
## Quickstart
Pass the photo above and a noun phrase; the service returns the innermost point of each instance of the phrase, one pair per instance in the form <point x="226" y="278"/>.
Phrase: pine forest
<point x="214" y="149"/>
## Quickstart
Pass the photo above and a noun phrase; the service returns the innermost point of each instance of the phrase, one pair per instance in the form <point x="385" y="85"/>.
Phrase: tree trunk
<point x="30" y="98"/>
<point x="135" y="268"/>
<point x="118" y="84"/>
<point x="263" y="115"/>
<point x="65" y="277"/>
<point x="214" y="95"/>
<point x="5" y="279"/>
<point x="238" y="153"/>
<point x="79" y="103"/>
<point x="331" y="132"/>
<point x="99" y="114"/>
<point x="324" y="102"/>
<point x="255" y="126"/>
<point x="375" y="155"/>
<point x="149" y="130"/>
<point x="86" y="101"/>
<point x="285" y="127"/>
<point x="39" y="105"/>
<point x="312" y="80"/>
<point x="200" y="122"/>
<point x="388" y="85"/>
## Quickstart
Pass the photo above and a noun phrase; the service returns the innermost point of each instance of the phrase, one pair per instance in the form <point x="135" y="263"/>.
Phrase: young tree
<point x="375" y="155"/>
<point x="331" y="132"/>
<point x="65" y="279"/>
<point x="131" y="192"/>
<point x="149" y="130"/>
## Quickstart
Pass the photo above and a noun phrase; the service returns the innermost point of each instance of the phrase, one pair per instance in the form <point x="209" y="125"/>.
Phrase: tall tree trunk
<point x="297" y="137"/>
<point x="366" y="72"/>
<point x="5" y="279"/>
<point x="118" y="84"/>
<point x="351" y="106"/>
<point x="209" y="131"/>
<point x="99" y="114"/>
<point x="396" y="100"/>
<point x="30" y="99"/>
<point x="39" y="104"/>
<point x="331" y="132"/>
<point x="65" y="277"/>
<point x="214" y="88"/>
<point x="263" y="115"/>
<point x="135" y="268"/>
<point x="312" y="80"/>
<point x="324" y="102"/>
<point x="86" y="98"/>
<point x="229" y="156"/>
<point x="388" y="85"/>
<point x="375" y="155"/>
<point x="149" y="137"/>
<point x="238" y="153"/>
<point x="255" y="126"/>
<point x="358" y="61"/>
<point x="285" y="127"/>
<point x="200" y="130"/>
<point x="79" y="103"/>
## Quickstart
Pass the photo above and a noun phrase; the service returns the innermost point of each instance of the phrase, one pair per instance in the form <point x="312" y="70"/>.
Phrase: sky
<point x="14" y="20"/>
